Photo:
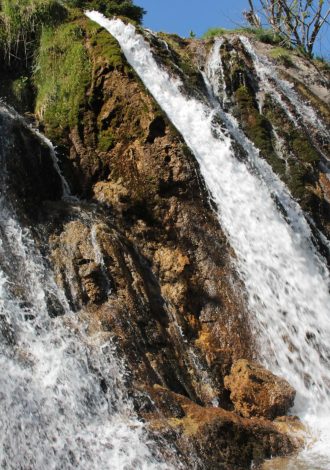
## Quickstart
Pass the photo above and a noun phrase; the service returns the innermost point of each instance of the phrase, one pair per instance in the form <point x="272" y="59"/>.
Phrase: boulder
<point x="213" y="438"/>
<point x="254" y="391"/>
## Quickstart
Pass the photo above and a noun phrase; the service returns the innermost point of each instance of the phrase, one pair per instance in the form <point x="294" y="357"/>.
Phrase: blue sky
<point x="183" y="16"/>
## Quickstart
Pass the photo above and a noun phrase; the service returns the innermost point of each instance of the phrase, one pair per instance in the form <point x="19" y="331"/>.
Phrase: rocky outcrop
<point x="219" y="439"/>
<point x="255" y="391"/>
<point x="137" y="286"/>
<point x="141" y="255"/>
<point x="29" y="177"/>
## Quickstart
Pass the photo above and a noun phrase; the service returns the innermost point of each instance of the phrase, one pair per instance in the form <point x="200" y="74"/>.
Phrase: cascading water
<point x="214" y="80"/>
<point x="277" y="88"/>
<point x="64" y="403"/>
<point x="286" y="282"/>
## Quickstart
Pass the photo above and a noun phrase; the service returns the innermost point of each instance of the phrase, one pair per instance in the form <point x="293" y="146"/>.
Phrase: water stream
<point x="286" y="281"/>
<point x="63" y="392"/>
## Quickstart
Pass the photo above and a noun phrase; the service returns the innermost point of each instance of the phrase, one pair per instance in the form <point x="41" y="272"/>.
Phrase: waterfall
<point x="215" y="72"/>
<point x="277" y="87"/>
<point x="64" y="403"/>
<point x="285" y="280"/>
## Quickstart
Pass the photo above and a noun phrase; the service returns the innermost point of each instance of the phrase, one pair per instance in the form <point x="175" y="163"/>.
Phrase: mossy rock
<point x="104" y="47"/>
<point x="62" y="74"/>
<point x="296" y="140"/>
<point x="304" y="149"/>
<point x="256" y="126"/>
<point x="106" y="141"/>
<point x="264" y="35"/>
<point x="177" y="58"/>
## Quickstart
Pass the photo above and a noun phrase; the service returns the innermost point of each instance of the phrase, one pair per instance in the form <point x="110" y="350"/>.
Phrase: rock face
<point x="221" y="439"/>
<point x="142" y="257"/>
<point x="29" y="176"/>
<point x="255" y="391"/>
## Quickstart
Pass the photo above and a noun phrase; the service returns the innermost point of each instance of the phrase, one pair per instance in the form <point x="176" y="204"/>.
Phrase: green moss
<point x="61" y="76"/>
<point x="302" y="157"/>
<point x="281" y="56"/>
<point x="106" y="141"/>
<point x="303" y="148"/>
<point x="256" y="126"/>
<point x="112" y="7"/>
<point x="296" y="179"/>
<point x="105" y="46"/>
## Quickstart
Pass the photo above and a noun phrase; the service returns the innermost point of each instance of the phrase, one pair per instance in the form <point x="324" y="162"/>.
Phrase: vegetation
<point x="111" y="7"/>
<point x="61" y="76"/>
<point x="256" y="126"/>
<point x="105" y="46"/>
<point x="43" y="44"/>
<point x="298" y="22"/>
<point x="281" y="56"/>
<point x="106" y="141"/>
<point x="214" y="32"/>
<point x="22" y="22"/>
<point x="264" y="35"/>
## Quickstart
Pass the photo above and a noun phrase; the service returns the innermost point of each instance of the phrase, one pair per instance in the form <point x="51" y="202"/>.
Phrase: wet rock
<point x="255" y="391"/>
<point x="145" y="260"/>
<point x="29" y="176"/>
<point x="214" y="438"/>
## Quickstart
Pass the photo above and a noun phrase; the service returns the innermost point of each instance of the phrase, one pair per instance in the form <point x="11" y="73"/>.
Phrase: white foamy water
<point x="63" y="397"/>
<point x="271" y="83"/>
<point x="286" y="284"/>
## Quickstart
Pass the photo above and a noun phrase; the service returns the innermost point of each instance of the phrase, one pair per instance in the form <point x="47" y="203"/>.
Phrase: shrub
<point x="22" y="21"/>
<point x="111" y="7"/>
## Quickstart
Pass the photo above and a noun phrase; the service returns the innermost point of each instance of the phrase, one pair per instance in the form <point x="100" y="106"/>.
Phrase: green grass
<point x="22" y="21"/>
<point x="281" y="56"/>
<point x="214" y="32"/>
<point x="263" y="35"/>
<point x="61" y="76"/>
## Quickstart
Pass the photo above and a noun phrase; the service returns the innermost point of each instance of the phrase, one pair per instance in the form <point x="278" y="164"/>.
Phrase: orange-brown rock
<point x="143" y="258"/>
<point x="255" y="391"/>
<point x="214" y="437"/>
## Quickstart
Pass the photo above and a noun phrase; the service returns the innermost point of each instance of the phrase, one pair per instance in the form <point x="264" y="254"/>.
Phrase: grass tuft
<point x="281" y="56"/>
<point x="264" y="35"/>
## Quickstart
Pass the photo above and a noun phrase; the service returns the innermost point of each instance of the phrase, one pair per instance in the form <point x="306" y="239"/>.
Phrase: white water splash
<point x="268" y="77"/>
<point x="213" y="79"/>
<point x="215" y="72"/>
<point x="63" y="398"/>
<point x="288" y="291"/>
